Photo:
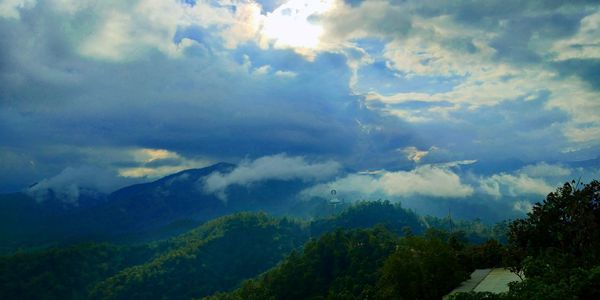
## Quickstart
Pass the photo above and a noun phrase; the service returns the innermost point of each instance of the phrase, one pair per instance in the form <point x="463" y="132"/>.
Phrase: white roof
<point x="487" y="280"/>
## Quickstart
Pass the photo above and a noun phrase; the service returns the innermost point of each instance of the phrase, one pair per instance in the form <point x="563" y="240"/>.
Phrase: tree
<point x="421" y="268"/>
<point x="566" y="222"/>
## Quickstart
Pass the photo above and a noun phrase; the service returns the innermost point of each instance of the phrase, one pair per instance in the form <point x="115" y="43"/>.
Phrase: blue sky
<point x="469" y="95"/>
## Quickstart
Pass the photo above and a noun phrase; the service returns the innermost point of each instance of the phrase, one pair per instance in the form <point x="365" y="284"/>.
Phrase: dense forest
<point x="371" y="250"/>
<point x="361" y="264"/>
<point x="556" y="249"/>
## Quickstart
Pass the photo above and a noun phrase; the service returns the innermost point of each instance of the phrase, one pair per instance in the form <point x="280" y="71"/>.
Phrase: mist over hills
<point x="282" y="185"/>
<point x="373" y="248"/>
<point x="358" y="136"/>
<point x="213" y="257"/>
<point x="177" y="200"/>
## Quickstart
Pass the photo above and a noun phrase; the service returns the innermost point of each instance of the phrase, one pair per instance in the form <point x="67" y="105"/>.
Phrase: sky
<point x="434" y="99"/>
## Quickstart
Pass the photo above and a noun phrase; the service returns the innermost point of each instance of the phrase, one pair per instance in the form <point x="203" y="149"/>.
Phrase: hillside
<point x="215" y="256"/>
<point x="360" y="264"/>
<point x="147" y="211"/>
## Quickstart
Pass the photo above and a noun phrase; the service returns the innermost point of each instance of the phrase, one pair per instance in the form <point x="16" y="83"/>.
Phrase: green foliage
<point x="360" y="264"/>
<point x="339" y="265"/>
<point x="475" y="231"/>
<point x="490" y="254"/>
<point x="367" y="214"/>
<point x="340" y="262"/>
<point x="214" y="257"/>
<point x="557" y="247"/>
<point x="568" y="221"/>
<point x="64" y="273"/>
<point x="420" y="268"/>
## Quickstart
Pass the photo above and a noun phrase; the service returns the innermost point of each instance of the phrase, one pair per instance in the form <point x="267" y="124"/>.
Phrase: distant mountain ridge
<point x="135" y="209"/>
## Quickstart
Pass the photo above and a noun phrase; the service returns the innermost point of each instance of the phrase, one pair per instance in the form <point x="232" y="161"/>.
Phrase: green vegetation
<point x="556" y="248"/>
<point x="367" y="214"/>
<point x="66" y="273"/>
<point x="476" y="232"/>
<point x="370" y="250"/>
<point x="214" y="257"/>
<point x="341" y="263"/>
<point x="360" y="264"/>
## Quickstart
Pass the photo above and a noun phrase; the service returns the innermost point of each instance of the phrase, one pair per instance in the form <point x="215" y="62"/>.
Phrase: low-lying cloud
<point x="279" y="167"/>
<point x="71" y="183"/>
<point x="503" y="184"/>
<point x="537" y="179"/>
<point x="426" y="180"/>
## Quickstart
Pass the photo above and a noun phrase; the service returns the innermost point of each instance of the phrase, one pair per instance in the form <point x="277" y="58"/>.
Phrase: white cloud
<point x="244" y="26"/>
<point x="126" y="31"/>
<point x="417" y="44"/>
<point x="543" y="169"/>
<point x="292" y="25"/>
<point x="522" y="206"/>
<point x="504" y="184"/>
<point x="424" y="52"/>
<point x="414" y="154"/>
<point x="68" y="185"/>
<point x="10" y="9"/>
<point x="538" y="179"/>
<point x="426" y="180"/>
<point x="285" y="74"/>
<point x="583" y="45"/>
<point x="262" y="70"/>
<point x="279" y="167"/>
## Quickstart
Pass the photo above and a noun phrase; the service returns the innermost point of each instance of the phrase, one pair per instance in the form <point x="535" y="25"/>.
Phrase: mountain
<point x="218" y="256"/>
<point x="160" y="208"/>
<point x="26" y="221"/>
<point x="213" y="257"/>
<point x="360" y="264"/>
<point x="367" y="214"/>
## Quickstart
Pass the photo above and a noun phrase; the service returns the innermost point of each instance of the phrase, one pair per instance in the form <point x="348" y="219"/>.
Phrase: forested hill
<point x="556" y="249"/>
<point x="375" y="250"/>
<point x="216" y="256"/>
<point x="361" y="264"/>
<point x="212" y="257"/>
<point x="37" y="220"/>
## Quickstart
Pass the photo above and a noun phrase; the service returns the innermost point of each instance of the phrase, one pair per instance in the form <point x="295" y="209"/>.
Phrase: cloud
<point x="294" y="25"/>
<point x="522" y="207"/>
<point x="425" y="180"/>
<point x="503" y="184"/>
<point x="493" y="81"/>
<point x="414" y="154"/>
<point x="501" y="52"/>
<point x="286" y="74"/>
<point x="154" y="163"/>
<point x="11" y="8"/>
<point x="72" y="183"/>
<point x="275" y="167"/>
<point x="585" y="44"/>
<point x="544" y="169"/>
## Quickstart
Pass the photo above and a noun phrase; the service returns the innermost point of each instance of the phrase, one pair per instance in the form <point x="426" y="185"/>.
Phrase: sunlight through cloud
<point x="292" y="25"/>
